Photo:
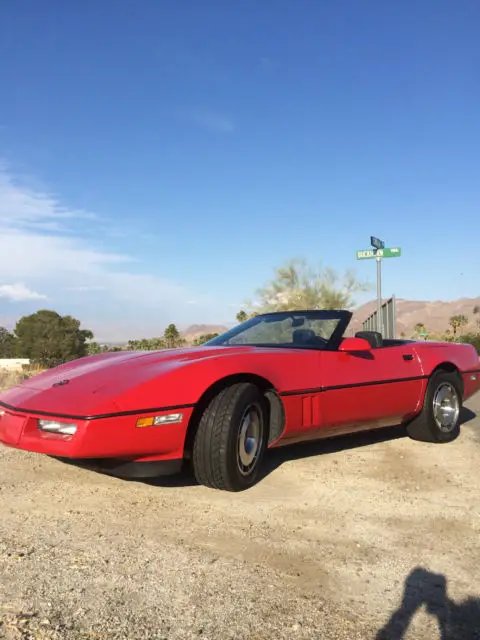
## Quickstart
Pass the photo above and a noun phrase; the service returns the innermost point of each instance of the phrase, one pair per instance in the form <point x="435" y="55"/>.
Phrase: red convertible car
<point x="276" y="379"/>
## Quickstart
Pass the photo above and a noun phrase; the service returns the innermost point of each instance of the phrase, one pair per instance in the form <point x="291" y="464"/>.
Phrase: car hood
<point x="92" y="385"/>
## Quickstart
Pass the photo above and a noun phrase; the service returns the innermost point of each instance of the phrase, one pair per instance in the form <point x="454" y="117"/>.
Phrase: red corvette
<point x="273" y="380"/>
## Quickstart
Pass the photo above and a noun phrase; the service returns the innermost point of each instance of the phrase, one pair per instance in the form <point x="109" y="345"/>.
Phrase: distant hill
<point x="196" y="330"/>
<point x="434" y="315"/>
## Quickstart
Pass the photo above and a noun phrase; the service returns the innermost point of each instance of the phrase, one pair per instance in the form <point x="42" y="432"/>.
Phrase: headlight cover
<point x="53" y="426"/>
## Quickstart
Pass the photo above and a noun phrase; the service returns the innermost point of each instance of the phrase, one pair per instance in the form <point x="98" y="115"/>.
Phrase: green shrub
<point x="471" y="338"/>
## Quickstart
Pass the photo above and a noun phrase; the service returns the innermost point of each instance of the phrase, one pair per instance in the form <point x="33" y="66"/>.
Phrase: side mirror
<point x="354" y="344"/>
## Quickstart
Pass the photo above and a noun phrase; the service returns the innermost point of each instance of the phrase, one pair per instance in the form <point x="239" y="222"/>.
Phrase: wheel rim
<point x="250" y="439"/>
<point x="446" y="407"/>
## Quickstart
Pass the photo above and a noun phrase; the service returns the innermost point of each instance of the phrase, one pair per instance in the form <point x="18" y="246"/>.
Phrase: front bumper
<point x="110" y="437"/>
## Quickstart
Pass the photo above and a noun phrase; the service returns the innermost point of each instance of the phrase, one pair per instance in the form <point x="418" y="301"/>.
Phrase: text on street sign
<point x="391" y="252"/>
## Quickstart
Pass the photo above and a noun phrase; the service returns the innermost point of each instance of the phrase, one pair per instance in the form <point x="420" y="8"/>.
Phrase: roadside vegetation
<point x="454" y="331"/>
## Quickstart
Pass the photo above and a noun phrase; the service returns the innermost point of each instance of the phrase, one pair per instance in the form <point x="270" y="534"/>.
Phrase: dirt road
<point x="323" y="547"/>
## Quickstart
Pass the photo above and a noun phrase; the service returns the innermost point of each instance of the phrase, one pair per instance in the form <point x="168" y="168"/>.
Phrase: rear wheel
<point x="439" y="420"/>
<point x="231" y="438"/>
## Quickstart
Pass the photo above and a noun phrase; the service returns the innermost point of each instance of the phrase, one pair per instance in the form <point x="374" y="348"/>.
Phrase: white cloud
<point x="213" y="121"/>
<point x="83" y="287"/>
<point x="42" y="248"/>
<point x="18" y="292"/>
<point x="21" y="206"/>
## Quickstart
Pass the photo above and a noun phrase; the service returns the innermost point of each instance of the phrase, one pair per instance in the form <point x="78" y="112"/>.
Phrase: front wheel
<point x="231" y="439"/>
<point x="439" y="419"/>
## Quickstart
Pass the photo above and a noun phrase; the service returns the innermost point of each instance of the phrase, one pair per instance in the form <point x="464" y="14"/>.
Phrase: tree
<point x="476" y="311"/>
<point x="146" y="344"/>
<point x="296" y="285"/>
<point x="172" y="337"/>
<point x="92" y="348"/>
<point x="204" y="338"/>
<point x="50" y="339"/>
<point x="7" y="343"/>
<point x="471" y="338"/>
<point x="421" y="329"/>
<point x="457" y="322"/>
<point x="241" y="316"/>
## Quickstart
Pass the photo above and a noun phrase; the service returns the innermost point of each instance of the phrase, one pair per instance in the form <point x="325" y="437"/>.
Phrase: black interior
<point x="303" y="337"/>
<point x="308" y="338"/>
<point x="374" y="338"/>
<point x="376" y="341"/>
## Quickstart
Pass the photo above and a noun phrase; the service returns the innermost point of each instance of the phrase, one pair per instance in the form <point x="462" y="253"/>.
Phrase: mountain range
<point x="435" y="315"/>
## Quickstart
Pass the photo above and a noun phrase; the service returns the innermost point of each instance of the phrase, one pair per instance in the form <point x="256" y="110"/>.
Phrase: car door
<point x="370" y="389"/>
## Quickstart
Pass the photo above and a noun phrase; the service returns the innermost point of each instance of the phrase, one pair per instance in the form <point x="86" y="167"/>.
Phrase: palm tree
<point x="457" y="322"/>
<point x="476" y="311"/>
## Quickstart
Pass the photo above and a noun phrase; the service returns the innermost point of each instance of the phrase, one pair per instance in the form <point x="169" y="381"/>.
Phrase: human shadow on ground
<point x="456" y="621"/>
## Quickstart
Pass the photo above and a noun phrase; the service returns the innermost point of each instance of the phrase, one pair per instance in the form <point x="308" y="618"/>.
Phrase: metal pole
<point x="379" y="295"/>
<point x="394" y="316"/>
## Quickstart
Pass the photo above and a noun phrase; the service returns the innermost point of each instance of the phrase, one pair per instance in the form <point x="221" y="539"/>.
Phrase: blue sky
<point x="158" y="159"/>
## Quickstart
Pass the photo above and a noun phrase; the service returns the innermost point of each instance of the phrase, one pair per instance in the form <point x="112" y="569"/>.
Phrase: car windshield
<point x="295" y="329"/>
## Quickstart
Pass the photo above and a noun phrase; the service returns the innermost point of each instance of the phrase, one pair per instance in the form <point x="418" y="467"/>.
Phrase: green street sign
<point x="365" y="254"/>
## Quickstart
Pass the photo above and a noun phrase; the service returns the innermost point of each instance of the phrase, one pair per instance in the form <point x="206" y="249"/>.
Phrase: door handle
<point x="407" y="356"/>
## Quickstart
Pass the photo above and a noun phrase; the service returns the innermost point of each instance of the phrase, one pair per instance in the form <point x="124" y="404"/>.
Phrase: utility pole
<point x="379" y="293"/>
<point x="378" y="247"/>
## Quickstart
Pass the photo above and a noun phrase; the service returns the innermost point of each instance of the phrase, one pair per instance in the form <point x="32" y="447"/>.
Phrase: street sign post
<point x="378" y="252"/>
<point x="365" y="254"/>
<point x="375" y="242"/>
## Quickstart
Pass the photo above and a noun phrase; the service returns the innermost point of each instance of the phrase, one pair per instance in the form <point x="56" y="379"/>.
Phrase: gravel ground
<point x="326" y="546"/>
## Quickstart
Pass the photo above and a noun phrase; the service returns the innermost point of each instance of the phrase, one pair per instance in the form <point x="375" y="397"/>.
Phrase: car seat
<point x="304" y="336"/>
<point x="374" y="338"/>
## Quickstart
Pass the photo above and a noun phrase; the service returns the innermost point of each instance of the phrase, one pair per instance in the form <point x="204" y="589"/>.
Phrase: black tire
<point x="425" y="426"/>
<point x="216" y="459"/>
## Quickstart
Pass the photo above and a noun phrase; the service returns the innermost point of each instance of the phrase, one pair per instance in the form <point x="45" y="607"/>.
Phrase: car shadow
<point x="278" y="456"/>
<point x="185" y="478"/>
<point x="274" y="458"/>
<point x="467" y="415"/>
<point x="424" y="589"/>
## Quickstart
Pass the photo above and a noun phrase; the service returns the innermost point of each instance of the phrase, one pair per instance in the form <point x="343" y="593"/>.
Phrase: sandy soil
<point x="326" y="546"/>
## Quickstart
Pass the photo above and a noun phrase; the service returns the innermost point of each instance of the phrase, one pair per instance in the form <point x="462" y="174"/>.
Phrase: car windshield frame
<point x="331" y="344"/>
